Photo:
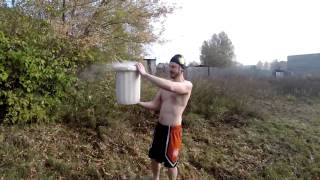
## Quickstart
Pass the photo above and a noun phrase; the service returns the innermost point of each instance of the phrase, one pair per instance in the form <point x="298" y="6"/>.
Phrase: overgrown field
<point x="234" y="128"/>
<point x="59" y="118"/>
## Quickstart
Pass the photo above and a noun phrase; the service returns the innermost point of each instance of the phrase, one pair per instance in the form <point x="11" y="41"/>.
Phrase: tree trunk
<point x="63" y="9"/>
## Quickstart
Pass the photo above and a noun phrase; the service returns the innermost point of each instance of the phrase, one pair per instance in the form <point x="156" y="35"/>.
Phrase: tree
<point x="266" y="65"/>
<point x="45" y="44"/>
<point x="260" y="65"/>
<point x="218" y="51"/>
<point x="118" y="28"/>
<point x="193" y="63"/>
<point x="274" y="64"/>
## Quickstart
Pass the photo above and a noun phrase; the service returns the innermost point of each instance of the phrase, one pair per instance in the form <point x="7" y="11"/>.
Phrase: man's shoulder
<point x="188" y="83"/>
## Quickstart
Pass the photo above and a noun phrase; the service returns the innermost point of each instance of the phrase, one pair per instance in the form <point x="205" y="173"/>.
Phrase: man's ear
<point x="181" y="69"/>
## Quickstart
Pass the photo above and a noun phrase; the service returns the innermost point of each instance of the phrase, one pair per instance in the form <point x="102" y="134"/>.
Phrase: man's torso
<point x="172" y="107"/>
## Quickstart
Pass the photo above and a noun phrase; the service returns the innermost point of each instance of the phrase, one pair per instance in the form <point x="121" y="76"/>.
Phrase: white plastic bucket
<point x="127" y="82"/>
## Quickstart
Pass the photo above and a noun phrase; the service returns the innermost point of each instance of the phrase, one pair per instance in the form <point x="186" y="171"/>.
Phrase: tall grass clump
<point x="227" y="98"/>
<point x="297" y="86"/>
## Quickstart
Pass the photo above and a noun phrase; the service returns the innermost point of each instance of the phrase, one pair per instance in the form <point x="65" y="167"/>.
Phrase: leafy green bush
<point x="89" y="103"/>
<point x="36" y="67"/>
<point x="92" y="103"/>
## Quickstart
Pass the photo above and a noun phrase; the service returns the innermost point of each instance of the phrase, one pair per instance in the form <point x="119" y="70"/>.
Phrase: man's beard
<point x="173" y="75"/>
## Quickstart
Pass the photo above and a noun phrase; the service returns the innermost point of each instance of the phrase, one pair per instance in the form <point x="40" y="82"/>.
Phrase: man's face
<point x="175" y="70"/>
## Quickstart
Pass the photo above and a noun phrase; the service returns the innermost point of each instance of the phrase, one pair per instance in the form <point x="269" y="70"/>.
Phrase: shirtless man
<point x="171" y="100"/>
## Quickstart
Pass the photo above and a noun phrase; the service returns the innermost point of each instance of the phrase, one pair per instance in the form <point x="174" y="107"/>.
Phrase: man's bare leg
<point x="155" y="169"/>
<point x="173" y="173"/>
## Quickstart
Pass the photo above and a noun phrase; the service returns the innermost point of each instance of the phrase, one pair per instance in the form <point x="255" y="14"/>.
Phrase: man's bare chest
<point x="167" y="96"/>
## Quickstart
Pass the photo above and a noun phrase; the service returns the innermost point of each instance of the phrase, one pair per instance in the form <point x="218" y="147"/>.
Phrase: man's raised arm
<point x="176" y="87"/>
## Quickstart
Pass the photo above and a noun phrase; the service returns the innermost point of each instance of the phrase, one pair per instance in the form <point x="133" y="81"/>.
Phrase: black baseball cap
<point x="178" y="58"/>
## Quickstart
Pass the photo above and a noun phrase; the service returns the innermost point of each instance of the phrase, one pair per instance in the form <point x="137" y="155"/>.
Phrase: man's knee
<point x="172" y="170"/>
<point x="172" y="173"/>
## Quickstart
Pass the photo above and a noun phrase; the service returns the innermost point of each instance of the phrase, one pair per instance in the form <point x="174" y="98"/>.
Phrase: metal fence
<point x="211" y="72"/>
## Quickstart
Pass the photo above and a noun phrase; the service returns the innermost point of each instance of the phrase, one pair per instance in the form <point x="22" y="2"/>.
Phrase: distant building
<point x="280" y="73"/>
<point x="306" y="64"/>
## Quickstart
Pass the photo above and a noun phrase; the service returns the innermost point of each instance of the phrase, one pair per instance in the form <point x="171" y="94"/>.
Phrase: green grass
<point x="291" y="146"/>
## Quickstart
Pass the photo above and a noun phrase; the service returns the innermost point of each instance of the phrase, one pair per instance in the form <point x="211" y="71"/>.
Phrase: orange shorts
<point x="166" y="144"/>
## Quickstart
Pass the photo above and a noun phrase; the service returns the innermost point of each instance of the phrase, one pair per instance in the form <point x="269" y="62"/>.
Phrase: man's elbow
<point x="156" y="106"/>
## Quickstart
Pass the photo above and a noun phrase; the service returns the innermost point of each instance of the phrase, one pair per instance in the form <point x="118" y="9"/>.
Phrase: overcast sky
<point x="259" y="29"/>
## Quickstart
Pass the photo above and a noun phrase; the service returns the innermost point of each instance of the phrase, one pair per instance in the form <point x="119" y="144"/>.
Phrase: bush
<point x="89" y="103"/>
<point x="36" y="67"/>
